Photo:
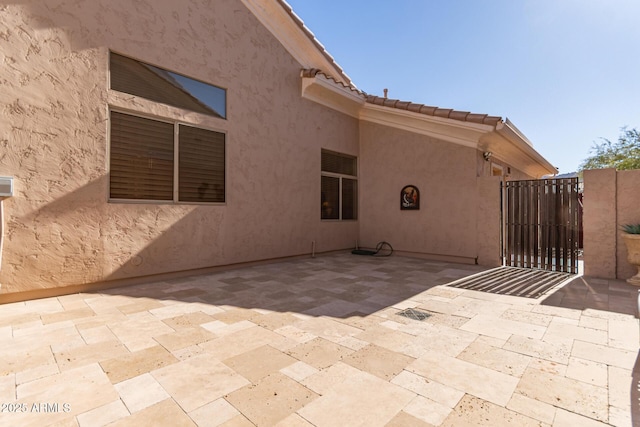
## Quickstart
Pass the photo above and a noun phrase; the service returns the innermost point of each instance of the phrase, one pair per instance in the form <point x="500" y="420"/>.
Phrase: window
<point x="339" y="186"/>
<point x="165" y="161"/>
<point x="160" y="85"/>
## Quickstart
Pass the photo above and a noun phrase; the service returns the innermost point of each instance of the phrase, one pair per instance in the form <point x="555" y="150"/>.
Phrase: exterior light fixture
<point x="6" y="186"/>
<point x="6" y="190"/>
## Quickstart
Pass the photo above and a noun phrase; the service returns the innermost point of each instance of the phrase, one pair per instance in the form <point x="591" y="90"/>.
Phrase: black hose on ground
<point x="382" y="246"/>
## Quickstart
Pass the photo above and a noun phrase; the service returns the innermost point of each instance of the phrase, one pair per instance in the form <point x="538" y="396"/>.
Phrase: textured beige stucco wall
<point x="59" y="228"/>
<point x="518" y="175"/>
<point x="611" y="199"/>
<point x="445" y="174"/>
<point x="510" y="173"/>
<point x="628" y="212"/>
<point x="599" y="223"/>
<point x="488" y="220"/>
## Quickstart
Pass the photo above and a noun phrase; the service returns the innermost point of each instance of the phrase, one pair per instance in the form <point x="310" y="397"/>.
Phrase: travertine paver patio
<point x="319" y="342"/>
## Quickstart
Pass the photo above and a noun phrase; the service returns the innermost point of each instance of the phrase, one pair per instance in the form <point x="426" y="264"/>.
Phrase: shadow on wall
<point x="78" y="238"/>
<point x="57" y="243"/>
<point x="86" y="17"/>
<point x="94" y="24"/>
<point x="142" y="240"/>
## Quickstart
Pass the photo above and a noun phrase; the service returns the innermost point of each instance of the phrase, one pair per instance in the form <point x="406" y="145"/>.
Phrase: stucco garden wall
<point x="457" y="208"/>
<point x="488" y="221"/>
<point x="60" y="229"/>
<point x="611" y="199"/>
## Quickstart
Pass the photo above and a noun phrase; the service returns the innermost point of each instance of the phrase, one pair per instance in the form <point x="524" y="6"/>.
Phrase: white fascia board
<point x="333" y="95"/>
<point x="272" y="15"/>
<point x="515" y="137"/>
<point x="458" y="132"/>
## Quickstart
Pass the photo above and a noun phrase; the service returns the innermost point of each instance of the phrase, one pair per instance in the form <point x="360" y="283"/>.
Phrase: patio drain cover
<point x="414" y="314"/>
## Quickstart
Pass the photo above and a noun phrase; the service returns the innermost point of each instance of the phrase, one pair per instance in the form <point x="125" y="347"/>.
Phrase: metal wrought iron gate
<point x="541" y="224"/>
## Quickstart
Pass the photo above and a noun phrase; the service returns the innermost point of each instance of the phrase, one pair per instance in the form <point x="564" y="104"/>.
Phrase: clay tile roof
<point x="476" y="118"/>
<point x="447" y="113"/>
<point x="377" y="100"/>
<point x="442" y="112"/>
<point x="491" y="120"/>
<point x="390" y="102"/>
<point x="313" y="72"/>
<point x="316" y="42"/>
<point x="426" y="109"/>
<point x="310" y="72"/>
<point x="458" y="115"/>
<point x="345" y="81"/>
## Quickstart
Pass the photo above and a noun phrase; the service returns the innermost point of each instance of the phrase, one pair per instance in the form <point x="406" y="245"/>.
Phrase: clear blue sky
<point x="565" y="72"/>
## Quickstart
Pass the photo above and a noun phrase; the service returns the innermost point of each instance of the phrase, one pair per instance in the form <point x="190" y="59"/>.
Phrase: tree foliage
<point x="622" y="155"/>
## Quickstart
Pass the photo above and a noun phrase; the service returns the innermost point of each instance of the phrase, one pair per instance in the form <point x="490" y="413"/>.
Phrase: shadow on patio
<point x="339" y="285"/>
<point x="316" y="341"/>
<point x="583" y="293"/>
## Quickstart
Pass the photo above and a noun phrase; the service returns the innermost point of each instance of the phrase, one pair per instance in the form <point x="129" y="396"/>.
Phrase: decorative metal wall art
<point x="410" y="198"/>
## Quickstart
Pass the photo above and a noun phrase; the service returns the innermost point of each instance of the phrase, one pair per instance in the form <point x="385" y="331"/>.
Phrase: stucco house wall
<point x="445" y="175"/>
<point x="459" y="215"/>
<point x="509" y="172"/>
<point x="54" y="120"/>
<point x="286" y="101"/>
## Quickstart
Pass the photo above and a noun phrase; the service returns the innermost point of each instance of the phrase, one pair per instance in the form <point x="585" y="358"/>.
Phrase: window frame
<point x="340" y="177"/>
<point x="176" y="159"/>
<point x="110" y="86"/>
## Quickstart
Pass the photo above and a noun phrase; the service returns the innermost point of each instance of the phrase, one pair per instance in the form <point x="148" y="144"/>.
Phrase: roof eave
<point x="510" y="145"/>
<point x="330" y="93"/>
<point x="280" y="19"/>
<point x="327" y="91"/>
<point x="482" y="132"/>
<point x="459" y="132"/>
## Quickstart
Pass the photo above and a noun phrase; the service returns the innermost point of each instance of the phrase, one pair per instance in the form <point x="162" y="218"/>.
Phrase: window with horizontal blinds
<point x="201" y="165"/>
<point x="142" y="163"/>
<point x="339" y="186"/>
<point x="349" y="198"/>
<point x="339" y="163"/>
<point x="330" y="197"/>
<point x="141" y="158"/>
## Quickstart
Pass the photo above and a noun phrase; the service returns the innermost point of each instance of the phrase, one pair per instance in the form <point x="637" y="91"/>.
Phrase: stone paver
<point x="360" y="400"/>
<point x="318" y="341"/>
<point x="477" y="380"/>
<point x="198" y="381"/>
<point x="475" y="412"/>
<point x="566" y="393"/>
